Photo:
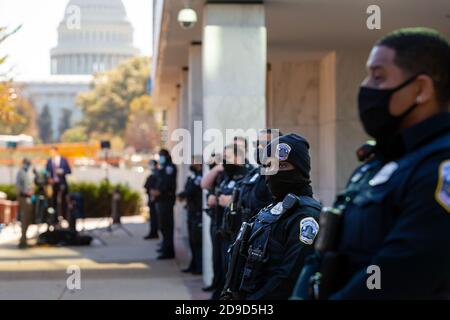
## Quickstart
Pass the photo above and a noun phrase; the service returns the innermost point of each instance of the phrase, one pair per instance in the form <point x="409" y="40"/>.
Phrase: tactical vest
<point x="226" y="188"/>
<point x="250" y="199"/>
<point x="261" y="247"/>
<point x="371" y="210"/>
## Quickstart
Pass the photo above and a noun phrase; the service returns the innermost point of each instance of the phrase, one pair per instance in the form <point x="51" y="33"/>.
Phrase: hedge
<point x="97" y="198"/>
<point x="10" y="191"/>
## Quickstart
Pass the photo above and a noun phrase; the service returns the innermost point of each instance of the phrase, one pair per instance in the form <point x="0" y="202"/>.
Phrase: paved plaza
<point x="118" y="267"/>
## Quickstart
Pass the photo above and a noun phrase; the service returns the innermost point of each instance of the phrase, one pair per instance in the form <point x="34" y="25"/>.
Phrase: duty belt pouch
<point x="330" y="224"/>
<point x="230" y="223"/>
<point x="333" y="264"/>
<point x="246" y="214"/>
<point x="257" y="257"/>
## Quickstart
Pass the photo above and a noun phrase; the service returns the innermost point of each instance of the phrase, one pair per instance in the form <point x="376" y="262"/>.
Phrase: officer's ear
<point x="426" y="92"/>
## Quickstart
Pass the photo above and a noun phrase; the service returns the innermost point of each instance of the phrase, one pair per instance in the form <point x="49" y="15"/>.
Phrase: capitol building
<point x="93" y="36"/>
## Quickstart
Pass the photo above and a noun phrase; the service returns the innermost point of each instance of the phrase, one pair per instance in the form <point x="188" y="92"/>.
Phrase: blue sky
<point x="29" y="49"/>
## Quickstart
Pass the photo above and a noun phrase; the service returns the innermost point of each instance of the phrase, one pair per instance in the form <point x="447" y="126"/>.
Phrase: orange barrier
<point x="42" y="152"/>
<point x="68" y="150"/>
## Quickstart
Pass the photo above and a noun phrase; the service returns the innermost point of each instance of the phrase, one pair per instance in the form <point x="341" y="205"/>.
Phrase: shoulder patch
<point x="277" y="209"/>
<point x="384" y="174"/>
<point x="231" y="184"/>
<point x="253" y="179"/>
<point x="308" y="230"/>
<point x="442" y="194"/>
<point x="169" y="170"/>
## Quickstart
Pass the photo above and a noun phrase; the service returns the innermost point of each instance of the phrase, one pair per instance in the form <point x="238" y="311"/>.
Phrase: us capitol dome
<point x="94" y="35"/>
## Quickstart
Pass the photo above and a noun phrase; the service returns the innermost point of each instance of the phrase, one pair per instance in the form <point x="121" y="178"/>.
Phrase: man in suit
<point x="57" y="169"/>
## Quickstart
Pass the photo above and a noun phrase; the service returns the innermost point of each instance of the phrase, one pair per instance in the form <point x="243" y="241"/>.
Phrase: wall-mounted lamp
<point x="187" y="18"/>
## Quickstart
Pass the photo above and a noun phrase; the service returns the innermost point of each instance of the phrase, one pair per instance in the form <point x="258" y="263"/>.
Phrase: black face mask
<point x="193" y="168"/>
<point x="373" y="107"/>
<point x="291" y="181"/>
<point x="231" y="169"/>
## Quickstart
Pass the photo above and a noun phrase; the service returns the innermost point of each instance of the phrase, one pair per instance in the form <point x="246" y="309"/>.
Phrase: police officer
<point x="166" y="196"/>
<point x="250" y="194"/>
<point x="149" y="186"/>
<point x="192" y="194"/>
<point x="392" y="237"/>
<point x="270" y="249"/>
<point x="234" y="170"/>
<point x="253" y="192"/>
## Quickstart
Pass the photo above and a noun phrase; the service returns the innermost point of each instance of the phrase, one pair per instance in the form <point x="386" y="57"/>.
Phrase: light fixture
<point x="187" y="18"/>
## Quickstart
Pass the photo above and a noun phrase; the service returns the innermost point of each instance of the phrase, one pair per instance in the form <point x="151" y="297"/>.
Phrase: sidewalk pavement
<point x="124" y="268"/>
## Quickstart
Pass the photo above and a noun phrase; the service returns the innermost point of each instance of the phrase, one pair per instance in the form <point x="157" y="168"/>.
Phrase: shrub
<point x="10" y="191"/>
<point x="97" y="198"/>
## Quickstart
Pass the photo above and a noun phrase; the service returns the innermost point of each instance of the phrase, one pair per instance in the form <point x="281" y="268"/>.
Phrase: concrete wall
<point x="294" y="103"/>
<point x="317" y="99"/>
<point x="350" y="71"/>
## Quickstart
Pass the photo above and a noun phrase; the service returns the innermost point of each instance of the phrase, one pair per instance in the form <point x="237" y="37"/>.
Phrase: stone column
<point x="341" y="133"/>
<point x="81" y="59"/>
<point x="183" y="167"/>
<point x="234" y="66"/>
<point x="73" y="64"/>
<point x="327" y="130"/>
<point x="88" y="63"/>
<point x="195" y="95"/>
<point x="234" y="77"/>
<point x="183" y="120"/>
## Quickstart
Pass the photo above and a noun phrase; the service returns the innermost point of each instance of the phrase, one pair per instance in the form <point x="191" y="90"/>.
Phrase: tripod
<point x="115" y="217"/>
<point x="76" y="212"/>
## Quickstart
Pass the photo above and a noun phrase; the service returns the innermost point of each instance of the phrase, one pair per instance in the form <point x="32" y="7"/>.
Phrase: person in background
<point x="58" y="168"/>
<point x="25" y="190"/>
<point x="150" y="186"/>
<point x="192" y="194"/>
<point x="166" y="195"/>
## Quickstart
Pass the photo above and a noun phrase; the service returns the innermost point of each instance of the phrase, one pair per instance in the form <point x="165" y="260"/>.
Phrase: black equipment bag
<point x="63" y="238"/>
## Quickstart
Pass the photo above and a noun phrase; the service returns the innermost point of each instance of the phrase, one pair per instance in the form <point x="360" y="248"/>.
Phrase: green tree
<point x="25" y="119"/>
<point x="45" y="125"/>
<point x="142" y="131"/>
<point x="65" y="121"/>
<point x="75" y="134"/>
<point x="106" y="107"/>
<point x="8" y="96"/>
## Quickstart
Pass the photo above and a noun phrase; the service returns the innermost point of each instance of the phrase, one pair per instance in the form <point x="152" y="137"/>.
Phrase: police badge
<point x="169" y="170"/>
<point x="277" y="209"/>
<point x="442" y="194"/>
<point x="231" y="184"/>
<point x="384" y="174"/>
<point x="308" y="230"/>
<point x="282" y="151"/>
